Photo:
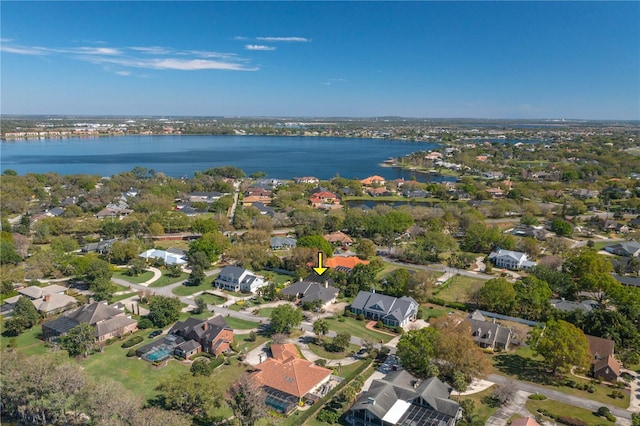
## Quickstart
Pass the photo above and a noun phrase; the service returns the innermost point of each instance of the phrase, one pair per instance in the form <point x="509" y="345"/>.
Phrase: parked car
<point x="155" y="333"/>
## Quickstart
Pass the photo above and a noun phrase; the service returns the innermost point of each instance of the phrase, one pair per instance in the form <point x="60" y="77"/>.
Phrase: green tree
<point x="532" y="298"/>
<point x="137" y="266"/>
<point x="317" y="242"/>
<point x="64" y="244"/>
<point x="365" y="248"/>
<point x="341" y="341"/>
<point x="396" y="283"/>
<point x="284" y="317"/>
<point x="416" y="349"/>
<point x="195" y="395"/>
<point x="498" y="295"/>
<point x="561" y="227"/>
<point x="164" y="310"/>
<point x="211" y="244"/>
<point x="124" y="251"/>
<point x="196" y="277"/>
<point x="25" y="309"/>
<point x="562" y="345"/>
<point x="320" y="328"/>
<point x="201" y="305"/>
<point x="78" y="340"/>
<point x="201" y="367"/>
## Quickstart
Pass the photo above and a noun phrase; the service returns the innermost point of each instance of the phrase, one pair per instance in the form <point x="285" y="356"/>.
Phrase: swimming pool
<point x="157" y="354"/>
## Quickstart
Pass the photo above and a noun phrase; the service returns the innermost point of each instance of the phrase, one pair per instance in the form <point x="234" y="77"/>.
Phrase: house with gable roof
<point x="603" y="363"/>
<point x="213" y="336"/>
<point x="624" y="248"/>
<point x="235" y="278"/>
<point x="512" y="260"/>
<point x="489" y="334"/>
<point x="48" y="300"/>
<point x="392" y="311"/>
<point x="308" y="292"/>
<point x="401" y="399"/>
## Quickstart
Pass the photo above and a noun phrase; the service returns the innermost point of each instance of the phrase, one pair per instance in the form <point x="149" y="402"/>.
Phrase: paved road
<point x="516" y="405"/>
<point x="562" y="397"/>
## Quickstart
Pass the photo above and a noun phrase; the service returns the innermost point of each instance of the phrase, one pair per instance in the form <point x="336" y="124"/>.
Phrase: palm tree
<point x="320" y="327"/>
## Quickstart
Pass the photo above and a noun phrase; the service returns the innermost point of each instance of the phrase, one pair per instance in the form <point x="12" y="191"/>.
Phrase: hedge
<point x="133" y="341"/>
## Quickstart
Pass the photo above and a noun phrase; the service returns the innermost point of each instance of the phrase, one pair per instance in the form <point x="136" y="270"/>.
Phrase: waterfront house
<point x="373" y="180"/>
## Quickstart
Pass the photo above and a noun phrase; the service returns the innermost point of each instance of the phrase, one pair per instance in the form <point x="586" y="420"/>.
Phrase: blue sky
<point x="359" y="59"/>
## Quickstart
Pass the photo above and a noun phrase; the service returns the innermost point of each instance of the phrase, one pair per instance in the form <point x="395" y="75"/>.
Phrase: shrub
<point x="537" y="397"/>
<point x="133" y="341"/>
<point x="321" y="362"/>
<point x="144" y="323"/>
<point x="611" y="417"/>
<point x="379" y="324"/>
<point x="361" y="317"/>
<point x="571" y="421"/>
<point x="603" y="411"/>
<point x="326" y="416"/>
<point x="131" y="352"/>
<point x="399" y="330"/>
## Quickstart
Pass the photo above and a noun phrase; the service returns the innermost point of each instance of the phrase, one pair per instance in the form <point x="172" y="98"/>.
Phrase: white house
<point x="513" y="260"/>
<point x="234" y="278"/>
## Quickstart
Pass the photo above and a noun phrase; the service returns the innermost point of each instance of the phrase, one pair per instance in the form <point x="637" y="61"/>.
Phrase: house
<point x="416" y="193"/>
<point x="204" y="197"/>
<point x="113" y="212"/>
<point x="338" y="237"/>
<point x="495" y="192"/>
<point x="55" y="212"/>
<point x="308" y="292"/>
<point x="234" y="278"/>
<point x="628" y="281"/>
<point x="48" y="300"/>
<point x="392" y="311"/>
<point x="252" y="199"/>
<point x="604" y="365"/>
<point x="568" y="305"/>
<point x="489" y="334"/>
<point x="379" y="192"/>
<point x="107" y="321"/>
<point x="306" y="179"/>
<point x="344" y="263"/>
<point x="287" y="379"/>
<point x="624" y="248"/>
<point x="170" y="256"/>
<point x="263" y="209"/>
<point x="325" y="200"/>
<point x="402" y="399"/>
<point x="512" y="260"/>
<point x="101" y="247"/>
<point x="281" y="243"/>
<point x="213" y="336"/>
<point x="525" y="421"/>
<point x="373" y="180"/>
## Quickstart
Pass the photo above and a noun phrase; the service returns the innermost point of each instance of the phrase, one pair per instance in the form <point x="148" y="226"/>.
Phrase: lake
<point x="282" y="157"/>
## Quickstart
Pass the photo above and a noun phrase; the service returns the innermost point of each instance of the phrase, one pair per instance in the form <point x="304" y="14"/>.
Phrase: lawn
<point x="321" y="352"/>
<point x="356" y="328"/>
<point x="145" y="276"/>
<point x="241" y="324"/>
<point x="165" y="280"/>
<point x="188" y="290"/>
<point x="524" y="365"/>
<point x="431" y="311"/>
<point x="561" y="409"/>
<point x="135" y="374"/>
<point x="28" y="343"/>
<point x="482" y="411"/>
<point x="243" y="345"/>
<point x="276" y="277"/>
<point x="165" y="244"/>
<point x="212" y="299"/>
<point x="265" y="312"/>
<point x="459" y="289"/>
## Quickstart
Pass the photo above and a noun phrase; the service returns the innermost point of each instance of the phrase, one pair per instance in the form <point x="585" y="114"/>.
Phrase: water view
<point x="279" y="157"/>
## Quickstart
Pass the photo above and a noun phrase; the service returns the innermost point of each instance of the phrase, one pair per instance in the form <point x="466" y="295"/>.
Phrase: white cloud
<point x="150" y="57"/>
<point x="23" y="50"/>
<point x="292" y="39"/>
<point x="5" y="40"/>
<point x="259" y="47"/>
<point x="241" y="38"/>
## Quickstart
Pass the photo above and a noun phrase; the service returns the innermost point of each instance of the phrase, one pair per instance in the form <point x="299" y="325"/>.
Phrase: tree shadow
<point x="525" y="369"/>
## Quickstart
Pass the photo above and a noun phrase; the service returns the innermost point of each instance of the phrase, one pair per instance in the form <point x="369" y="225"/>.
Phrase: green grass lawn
<point x="165" y="280"/>
<point x="265" y="312"/>
<point x="277" y="278"/>
<point x="482" y="411"/>
<point x="357" y="328"/>
<point x="524" y="365"/>
<point x="460" y="289"/>
<point x="120" y="297"/>
<point x="323" y="353"/>
<point x="241" y="324"/>
<point x="188" y="290"/>
<point x="118" y="287"/>
<point x="135" y="374"/>
<point x="243" y="345"/>
<point x="28" y="343"/>
<point x="212" y="299"/>
<point x="432" y="312"/>
<point x="165" y="244"/>
<point x="561" y="409"/>
<point x="145" y="276"/>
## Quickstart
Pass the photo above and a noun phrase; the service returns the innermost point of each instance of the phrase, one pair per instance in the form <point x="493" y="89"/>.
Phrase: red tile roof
<point x="347" y="262"/>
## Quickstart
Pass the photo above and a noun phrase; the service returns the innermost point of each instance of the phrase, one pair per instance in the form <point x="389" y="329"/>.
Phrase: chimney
<point x="326" y="284"/>
<point x="205" y="326"/>
<point x="47" y="297"/>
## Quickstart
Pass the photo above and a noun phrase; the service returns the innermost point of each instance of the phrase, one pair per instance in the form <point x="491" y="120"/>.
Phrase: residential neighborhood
<point x="364" y="301"/>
